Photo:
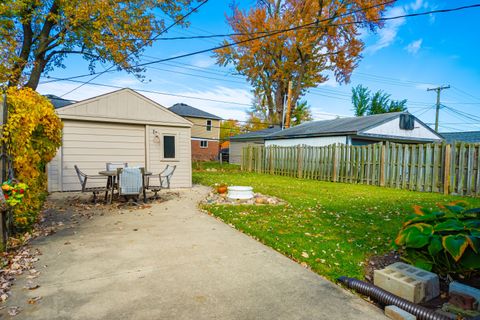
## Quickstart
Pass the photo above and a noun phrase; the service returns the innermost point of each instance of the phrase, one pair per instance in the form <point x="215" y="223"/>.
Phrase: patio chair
<point x="131" y="183"/>
<point x="160" y="181"/>
<point x="84" y="178"/>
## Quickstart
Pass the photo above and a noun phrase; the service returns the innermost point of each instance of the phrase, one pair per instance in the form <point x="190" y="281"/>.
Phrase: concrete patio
<point x="171" y="261"/>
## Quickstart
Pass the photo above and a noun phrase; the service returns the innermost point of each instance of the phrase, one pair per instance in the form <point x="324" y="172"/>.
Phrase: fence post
<point x="271" y="159"/>
<point x="446" y="170"/>
<point x="300" y="161"/>
<point x="250" y="158"/>
<point x="335" y="156"/>
<point x="382" y="166"/>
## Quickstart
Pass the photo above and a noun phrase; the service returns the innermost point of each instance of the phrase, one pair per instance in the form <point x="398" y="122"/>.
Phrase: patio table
<point x="112" y="176"/>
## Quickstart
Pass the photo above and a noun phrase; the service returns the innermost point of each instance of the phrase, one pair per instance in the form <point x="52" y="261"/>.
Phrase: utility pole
<point x="289" y="105"/>
<point x="438" y="90"/>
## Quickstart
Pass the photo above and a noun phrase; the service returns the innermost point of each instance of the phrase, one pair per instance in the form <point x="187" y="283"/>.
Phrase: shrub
<point x="445" y="240"/>
<point x="33" y="133"/>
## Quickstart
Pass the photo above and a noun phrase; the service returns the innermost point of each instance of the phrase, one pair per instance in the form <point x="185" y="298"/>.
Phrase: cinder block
<point x="457" y="287"/>
<point x="394" y="312"/>
<point x="409" y="282"/>
<point x="463" y="301"/>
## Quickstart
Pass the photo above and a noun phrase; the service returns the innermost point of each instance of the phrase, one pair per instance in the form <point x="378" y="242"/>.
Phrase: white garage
<point x="122" y="126"/>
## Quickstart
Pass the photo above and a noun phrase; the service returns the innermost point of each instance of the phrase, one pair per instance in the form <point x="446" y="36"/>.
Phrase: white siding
<point x="182" y="177"/>
<point x="236" y="147"/>
<point x="90" y="145"/>
<point x="392" y="129"/>
<point x="314" y="141"/>
<point x="54" y="172"/>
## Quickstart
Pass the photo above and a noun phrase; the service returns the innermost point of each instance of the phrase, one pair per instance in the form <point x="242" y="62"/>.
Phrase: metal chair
<point x="131" y="182"/>
<point x="163" y="181"/>
<point x="83" y="178"/>
<point x="115" y="165"/>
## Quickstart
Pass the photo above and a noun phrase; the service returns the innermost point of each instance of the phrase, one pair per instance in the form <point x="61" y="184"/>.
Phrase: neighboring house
<point x="57" y="101"/>
<point x="121" y="126"/>
<point x="465" y="136"/>
<point x="205" y="131"/>
<point x="396" y="127"/>
<point x="254" y="138"/>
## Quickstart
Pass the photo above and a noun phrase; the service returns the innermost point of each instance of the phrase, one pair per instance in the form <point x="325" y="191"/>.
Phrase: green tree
<point x="366" y="103"/>
<point x="301" y="113"/>
<point x="360" y="100"/>
<point x="36" y="36"/>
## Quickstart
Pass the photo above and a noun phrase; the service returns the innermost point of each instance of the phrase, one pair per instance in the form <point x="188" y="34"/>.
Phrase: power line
<point x="268" y="34"/>
<point x="466" y="93"/>
<point x="381" y="19"/>
<point x="282" y="31"/>
<point x="148" y="42"/>
<point x="160" y="93"/>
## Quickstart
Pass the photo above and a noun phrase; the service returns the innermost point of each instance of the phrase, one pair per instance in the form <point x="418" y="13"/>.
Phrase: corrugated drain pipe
<point x="387" y="298"/>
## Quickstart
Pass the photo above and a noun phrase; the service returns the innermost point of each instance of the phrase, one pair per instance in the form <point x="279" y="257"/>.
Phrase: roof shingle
<point x="185" y="110"/>
<point x="465" y="136"/>
<point x="259" y="134"/>
<point x="335" y="126"/>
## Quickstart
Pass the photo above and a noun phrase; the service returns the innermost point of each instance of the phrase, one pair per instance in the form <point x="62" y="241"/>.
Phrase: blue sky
<point x="404" y="58"/>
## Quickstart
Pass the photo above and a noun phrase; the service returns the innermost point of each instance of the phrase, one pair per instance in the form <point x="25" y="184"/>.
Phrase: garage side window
<point x="203" y="144"/>
<point x="169" y="147"/>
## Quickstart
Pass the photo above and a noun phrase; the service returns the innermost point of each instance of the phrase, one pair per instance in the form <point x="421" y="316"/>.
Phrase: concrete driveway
<point x="173" y="262"/>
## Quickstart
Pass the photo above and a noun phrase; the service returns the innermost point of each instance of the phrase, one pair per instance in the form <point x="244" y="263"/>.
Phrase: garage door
<point x="90" y="145"/>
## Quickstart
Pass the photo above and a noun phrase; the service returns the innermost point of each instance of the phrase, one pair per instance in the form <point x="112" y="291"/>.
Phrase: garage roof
<point x="122" y="106"/>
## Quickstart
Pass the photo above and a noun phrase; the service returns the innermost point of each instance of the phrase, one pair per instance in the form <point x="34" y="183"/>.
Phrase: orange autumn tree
<point x="36" y="36"/>
<point x="324" y="42"/>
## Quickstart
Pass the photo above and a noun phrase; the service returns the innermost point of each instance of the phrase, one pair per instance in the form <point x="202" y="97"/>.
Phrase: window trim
<point x="175" y="139"/>
<point x="206" y="144"/>
<point x="209" y="125"/>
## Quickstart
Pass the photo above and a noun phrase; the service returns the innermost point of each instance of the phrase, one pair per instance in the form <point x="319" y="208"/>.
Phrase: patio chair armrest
<point x="97" y="176"/>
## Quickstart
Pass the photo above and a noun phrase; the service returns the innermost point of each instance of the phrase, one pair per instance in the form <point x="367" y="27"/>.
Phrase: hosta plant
<point x="444" y="240"/>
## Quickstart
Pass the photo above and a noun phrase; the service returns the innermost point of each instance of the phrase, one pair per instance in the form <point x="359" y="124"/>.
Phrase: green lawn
<point x="333" y="227"/>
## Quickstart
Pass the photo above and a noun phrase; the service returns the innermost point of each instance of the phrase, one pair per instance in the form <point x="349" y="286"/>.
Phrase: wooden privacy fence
<point x="447" y="168"/>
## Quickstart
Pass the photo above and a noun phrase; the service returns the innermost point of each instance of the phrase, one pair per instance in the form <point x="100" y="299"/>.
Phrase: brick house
<point x="205" y="131"/>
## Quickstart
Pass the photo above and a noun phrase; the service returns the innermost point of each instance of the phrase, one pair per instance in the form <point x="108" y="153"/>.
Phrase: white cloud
<point x="235" y="110"/>
<point x="416" y="5"/>
<point x="203" y="62"/>
<point x="388" y="34"/>
<point x="425" y="86"/>
<point x="414" y="46"/>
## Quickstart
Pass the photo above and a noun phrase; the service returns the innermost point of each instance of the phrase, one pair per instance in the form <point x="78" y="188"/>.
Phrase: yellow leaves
<point x="32" y="133"/>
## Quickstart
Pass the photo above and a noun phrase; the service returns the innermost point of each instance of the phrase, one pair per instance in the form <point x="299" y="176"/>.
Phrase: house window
<point x="209" y="125"/>
<point x="203" y="144"/>
<point x="169" y="147"/>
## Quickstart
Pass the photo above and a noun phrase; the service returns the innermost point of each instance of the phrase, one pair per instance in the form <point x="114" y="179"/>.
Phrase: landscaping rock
<point x="406" y="281"/>
<point x="258" y="199"/>
<point x="460" y="288"/>
<point x="394" y="312"/>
